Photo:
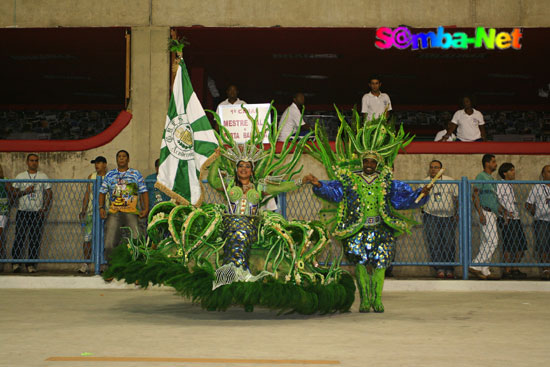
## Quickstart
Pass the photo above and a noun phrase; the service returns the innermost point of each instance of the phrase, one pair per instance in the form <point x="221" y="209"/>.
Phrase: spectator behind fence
<point x="487" y="206"/>
<point x="538" y="204"/>
<point x="292" y="117"/>
<point x="34" y="200"/>
<point x="439" y="216"/>
<point x="5" y="189"/>
<point x="86" y="214"/>
<point x="155" y="195"/>
<point x="514" y="243"/>
<point x="468" y="123"/>
<point x="123" y="184"/>
<point x="375" y="103"/>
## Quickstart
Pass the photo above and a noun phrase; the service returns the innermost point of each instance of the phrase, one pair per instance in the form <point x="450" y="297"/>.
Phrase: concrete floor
<point x="417" y="329"/>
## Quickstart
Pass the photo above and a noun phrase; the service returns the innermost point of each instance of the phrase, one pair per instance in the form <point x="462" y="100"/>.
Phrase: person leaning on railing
<point x="468" y="123"/>
<point x="538" y="204"/>
<point x="34" y="200"/>
<point x="86" y="214"/>
<point x="440" y="218"/>
<point x="5" y="189"/>
<point x="488" y="207"/>
<point x="514" y="243"/>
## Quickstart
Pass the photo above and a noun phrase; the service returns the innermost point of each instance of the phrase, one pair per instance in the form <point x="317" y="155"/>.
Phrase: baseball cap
<point x="99" y="158"/>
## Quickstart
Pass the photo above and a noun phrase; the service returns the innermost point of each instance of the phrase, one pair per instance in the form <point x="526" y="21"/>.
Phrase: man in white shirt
<point x="232" y="93"/>
<point x="514" y="243"/>
<point x="375" y="103"/>
<point x="538" y="204"/>
<point x="440" y="217"/>
<point x="468" y="123"/>
<point x="291" y="120"/>
<point x="32" y="208"/>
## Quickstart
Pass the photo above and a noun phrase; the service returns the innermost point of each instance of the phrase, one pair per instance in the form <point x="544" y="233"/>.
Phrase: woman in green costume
<point x="246" y="199"/>
<point x="185" y="243"/>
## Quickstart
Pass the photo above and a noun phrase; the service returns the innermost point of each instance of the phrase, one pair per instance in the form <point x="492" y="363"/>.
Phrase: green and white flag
<point x="188" y="141"/>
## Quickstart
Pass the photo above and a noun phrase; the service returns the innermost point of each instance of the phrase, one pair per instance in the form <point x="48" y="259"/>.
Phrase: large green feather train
<point x="185" y="246"/>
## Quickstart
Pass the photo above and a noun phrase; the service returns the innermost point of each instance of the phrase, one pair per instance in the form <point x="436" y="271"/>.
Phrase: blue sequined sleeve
<point x="402" y="196"/>
<point x="330" y="190"/>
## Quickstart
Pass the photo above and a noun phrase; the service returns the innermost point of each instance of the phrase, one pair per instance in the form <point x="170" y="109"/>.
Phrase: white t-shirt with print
<point x="374" y="106"/>
<point x="468" y="125"/>
<point x="34" y="201"/>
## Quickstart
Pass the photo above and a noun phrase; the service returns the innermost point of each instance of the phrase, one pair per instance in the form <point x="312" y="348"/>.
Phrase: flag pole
<point x="225" y="191"/>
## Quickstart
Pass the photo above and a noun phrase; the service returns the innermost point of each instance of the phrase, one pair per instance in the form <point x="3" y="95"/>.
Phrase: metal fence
<point x="447" y="232"/>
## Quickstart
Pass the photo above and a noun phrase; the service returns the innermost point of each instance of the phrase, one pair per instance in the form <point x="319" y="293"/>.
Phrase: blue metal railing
<point x="62" y="236"/>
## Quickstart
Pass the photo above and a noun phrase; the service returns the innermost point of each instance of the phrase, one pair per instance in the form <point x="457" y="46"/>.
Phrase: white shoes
<point x="31" y="269"/>
<point x="16" y="268"/>
<point x="83" y="269"/>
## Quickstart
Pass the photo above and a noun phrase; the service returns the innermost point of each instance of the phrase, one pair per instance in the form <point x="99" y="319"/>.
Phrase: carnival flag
<point x="188" y="141"/>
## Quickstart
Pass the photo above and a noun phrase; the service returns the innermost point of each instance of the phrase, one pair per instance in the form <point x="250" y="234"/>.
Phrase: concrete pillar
<point x="149" y="94"/>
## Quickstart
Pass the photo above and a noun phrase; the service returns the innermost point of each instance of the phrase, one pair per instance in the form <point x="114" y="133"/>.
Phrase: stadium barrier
<point x="455" y="241"/>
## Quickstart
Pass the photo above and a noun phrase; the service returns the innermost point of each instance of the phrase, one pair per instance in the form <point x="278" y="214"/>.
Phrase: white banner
<point x="234" y="118"/>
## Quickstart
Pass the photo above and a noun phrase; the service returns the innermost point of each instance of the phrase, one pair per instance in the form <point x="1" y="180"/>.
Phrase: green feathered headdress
<point x="267" y="163"/>
<point x="377" y="139"/>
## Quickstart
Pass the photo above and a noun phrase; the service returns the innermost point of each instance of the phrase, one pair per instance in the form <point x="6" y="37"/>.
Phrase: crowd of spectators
<point x="498" y="208"/>
<point x="71" y="125"/>
<point x="54" y="125"/>
<point x="500" y="125"/>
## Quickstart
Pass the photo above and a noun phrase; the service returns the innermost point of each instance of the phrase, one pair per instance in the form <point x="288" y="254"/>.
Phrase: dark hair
<point x="122" y="151"/>
<point x="504" y="167"/>
<point x="486" y="159"/>
<point x="440" y="164"/>
<point x="374" y="77"/>
<point x="157" y="162"/>
<point x="36" y="155"/>
<point x="237" y="181"/>
<point x="470" y="97"/>
<point x="542" y="170"/>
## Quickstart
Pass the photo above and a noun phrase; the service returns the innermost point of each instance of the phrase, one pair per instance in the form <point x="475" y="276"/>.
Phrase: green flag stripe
<point x="172" y="111"/>
<point x="186" y="84"/>
<point x="204" y="148"/>
<point x="202" y="124"/>
<point x="181" y="184"/>
<point x="164" y="154"/>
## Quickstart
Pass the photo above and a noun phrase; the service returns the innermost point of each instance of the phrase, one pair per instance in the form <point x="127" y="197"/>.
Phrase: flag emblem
<point x="179" y="138"/>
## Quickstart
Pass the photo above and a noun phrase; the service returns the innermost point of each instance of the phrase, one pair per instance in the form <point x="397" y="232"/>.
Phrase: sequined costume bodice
<point x="365" y="201"/>
<point x="244" y="203"/>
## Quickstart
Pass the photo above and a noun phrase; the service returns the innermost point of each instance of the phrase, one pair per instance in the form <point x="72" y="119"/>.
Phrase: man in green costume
<point x="362" y="185"/>
<point x="366" y="225"/>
